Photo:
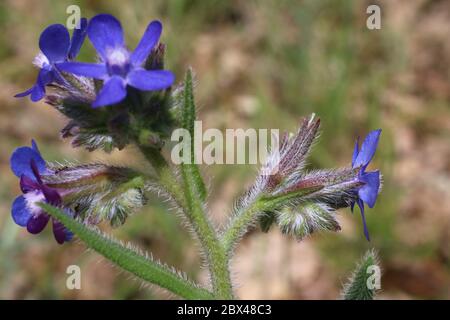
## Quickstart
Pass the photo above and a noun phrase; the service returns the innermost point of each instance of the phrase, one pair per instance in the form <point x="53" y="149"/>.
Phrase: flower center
<point x="32" y="198"/>
<point x="41" y="61"/>
<point x="118" y="61"/>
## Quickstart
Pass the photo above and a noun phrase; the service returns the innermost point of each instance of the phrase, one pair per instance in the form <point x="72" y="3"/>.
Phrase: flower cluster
<point x="92" y="192"/>
<point x="106" y="102"/>
<point x="308" y="200"/>
<point x="121" y="77"/>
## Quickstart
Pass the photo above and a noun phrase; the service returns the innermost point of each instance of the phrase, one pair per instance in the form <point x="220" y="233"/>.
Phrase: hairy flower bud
<point x="311" y="199"/>
<point x="155" y="60"/>
<point x="283" y="168"/>
<point x="306" y="218"/>
<point x="338" y="186"/>
<point x="98" y="192"/>
<point x="285" y="181"/>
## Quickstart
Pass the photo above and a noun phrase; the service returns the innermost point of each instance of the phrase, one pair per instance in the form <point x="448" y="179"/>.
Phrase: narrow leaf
<point x="188" y="119"/>
<point x="129" y="259"/>
<point x="365" y="281"/>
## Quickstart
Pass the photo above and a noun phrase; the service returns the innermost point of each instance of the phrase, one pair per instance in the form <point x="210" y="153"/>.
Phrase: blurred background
<point x="260" y="64"/>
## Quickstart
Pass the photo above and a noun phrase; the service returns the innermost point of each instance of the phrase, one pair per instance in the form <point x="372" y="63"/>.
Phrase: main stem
<point x="186" y="198"/>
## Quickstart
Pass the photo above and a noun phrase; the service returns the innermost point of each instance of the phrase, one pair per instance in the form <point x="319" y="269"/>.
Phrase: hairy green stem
<point x="215" y="254"/>
<point x="136" y="182"/>
<point x="245" y="217"/>
<point x="130" y="260"/>
<point x="239" y="225"/>
<point x="187" y="197"/>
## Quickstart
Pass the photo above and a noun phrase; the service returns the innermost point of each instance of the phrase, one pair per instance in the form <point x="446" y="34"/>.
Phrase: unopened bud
<point x="307" y="218"/>
<point x="155" y="60"/>
<point x="98" y="192"/>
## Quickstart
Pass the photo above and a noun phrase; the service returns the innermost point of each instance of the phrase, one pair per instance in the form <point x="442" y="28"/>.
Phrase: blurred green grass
<point x="259" y="64"/>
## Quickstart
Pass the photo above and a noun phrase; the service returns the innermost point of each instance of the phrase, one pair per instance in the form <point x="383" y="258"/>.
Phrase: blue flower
<point x="368" y="192"/>
<point x="28" y="164"/>
<point x="56" y="46"/>
<point x="118" y="66"/>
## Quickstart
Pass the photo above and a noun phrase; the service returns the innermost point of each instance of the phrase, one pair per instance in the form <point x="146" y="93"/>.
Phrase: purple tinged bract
<point x="28" y="164"/>
<point x="118" y="66"/>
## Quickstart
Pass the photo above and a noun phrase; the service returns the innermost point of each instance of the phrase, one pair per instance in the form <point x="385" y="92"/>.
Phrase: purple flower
<point x="28" y="164"/>
<point x="56" y="46"/>
<point x="368" y="192"/>
<point x="118" y="66"/>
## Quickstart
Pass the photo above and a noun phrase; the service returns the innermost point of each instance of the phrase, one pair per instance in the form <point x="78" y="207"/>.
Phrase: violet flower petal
<point x="51" y="195"/>
<point x="147" y="43"/>
<point x="366" y="230"/>
<point x="150" y="80"/>
<point x="92" y="70"/>
<point x="59" y="231"/>
<point x="105" y="32"/>
<point x="37" y="223"/>
<point x="368" y="148"/>
<point x="369" y="191"/>
<point x="24" y="93"/>
<point x="20" y="161"/>
<point x="78" y="36"/>
<point x="113" y="91"/>
<point x="20" y="212"/>
<point x="355" y="152"/>
<point x="27" y="184"/>
<point x="54" y="42"/>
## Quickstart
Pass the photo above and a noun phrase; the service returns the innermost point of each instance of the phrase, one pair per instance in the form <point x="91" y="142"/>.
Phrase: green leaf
<point x="189" y="112"/>
<point x="188" y="119"/>
<point x="130" y="260"/>
<point x="365" y="281"/>
<point x="195" y="194"/>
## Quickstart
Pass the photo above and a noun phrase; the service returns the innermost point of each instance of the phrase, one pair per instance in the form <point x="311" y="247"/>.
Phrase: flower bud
<point x="339" y="186"/>
<point x="98" y="192"/>
<point x="155" y="60"/>
<point x="295" y="150"/>
<point x="307" y="218"/>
